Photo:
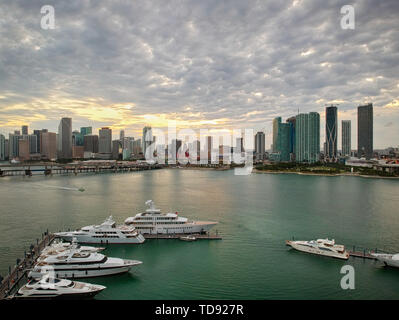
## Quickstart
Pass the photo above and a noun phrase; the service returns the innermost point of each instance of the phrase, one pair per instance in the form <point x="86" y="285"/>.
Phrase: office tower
<point x="90" y="142"/>
<point x="346" y="138"/>
<point x="23" y="149"/>
<point x="78" y="152"/>
<point x="77" y="138"/>
<point x="276" y="122"/>
<point x="32" y="143"/>
<point x="122" y="138"/>
<point x="6" y="149"/>
<point x="64" y="144"/>
<point x="105" y="140"/>
<point x="259" y="145"/>
<point x="208" y="148"/>
<point x="37" y="133"/>
<point x="331" y="133"/>
<point x="86" y="130"/>
<point x="147" y="138"/>
<point x="115" y="149"/>
<point x="365" y="131"/>
<point x="24" y="130"/>
<point x="136" y="146"/>
<point x="13" y="145"/>
<point x="307" y="137"/>
<point x="2" y="147"/>
<point x="292" y="121"/>
<point x="49" y="145"/>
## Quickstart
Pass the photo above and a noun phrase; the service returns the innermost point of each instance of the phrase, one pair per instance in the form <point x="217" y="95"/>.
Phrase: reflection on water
<point x="256" y="214"/>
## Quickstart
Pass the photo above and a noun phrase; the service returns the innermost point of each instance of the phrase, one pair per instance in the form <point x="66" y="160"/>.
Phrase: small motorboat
<point x="188" y="238"/>
<point x="54" y="288"/>
<point x="81" y="189"/>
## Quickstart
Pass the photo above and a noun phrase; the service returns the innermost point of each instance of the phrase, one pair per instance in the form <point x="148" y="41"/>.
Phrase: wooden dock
<point x="12" y="281"/>
<point x="198" y="236"/>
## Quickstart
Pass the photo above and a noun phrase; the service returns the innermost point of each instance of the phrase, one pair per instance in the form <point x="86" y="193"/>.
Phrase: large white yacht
<point x="54" y="288"/>
<point x="322" y="247"/>
<point x="153" y="221"/>
<point x="391" y="260"/>
<point x="78" y="264"/>
<point x="107" y="232"/>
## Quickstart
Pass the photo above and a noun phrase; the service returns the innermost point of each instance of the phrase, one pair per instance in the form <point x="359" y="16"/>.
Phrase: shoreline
<point x="323" y="174"/>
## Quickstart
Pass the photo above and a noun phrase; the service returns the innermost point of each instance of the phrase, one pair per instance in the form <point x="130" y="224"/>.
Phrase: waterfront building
<point x="105" y="140"/>
<point x="77" y="152"/>
<point x="122" y="138"/>
<point x="86" y="131"/>
<point x="136" y="146"/>
<point x="365" y="131"/>
<point x="23" y="149"/>
<point x="259" y="145"/>
<point x="331" y="133"/>
<point x="2" y="147"/>
<point x="276" y="122"/>
<point x="32" y="138"/>
<point x="147" y="138"/>
<point x="24" y="130"/>
<point x="13" y="145"/>
<point x="90" y="143"/>
<point x="282" y="139"/>
<point x="77" y="138"/>
<point x="6" y="150"/>
<point x="64" y="144"/>
<point x="292" y="121"/>
<point x="307" y="137"/>
<point x="49" y="145"/>
<point x="116" y="149"/>
<point x="346" y="138"/>
<point x="37" y="133"/>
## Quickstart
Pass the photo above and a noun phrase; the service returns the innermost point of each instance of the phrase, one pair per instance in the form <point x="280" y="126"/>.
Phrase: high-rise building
<point x="90" y="142"/>
<point x="259" y="145"/>
<point x="6" y="150"/>
<point x="64" y="144"/>
<point x="13" y="145"/>
<point x="105" y="140"/>
<point x="122" y="138"/>
<point x="346" y="137"/>
<point x="24" y="130"/>
<point x="115" y="149"/>
<point x="282" y="139"/>
<point x="2" y="147"/>
<point x="23" y="149"/>
<point x="86" y="130"/>
<point x="77" y="138"/>
<point x="38" y="139"/>
<point x="147" y="138"/>
<point x="49" y="145"/>
<point x="32" y="143"/>
<point x="292" y="121"/>
<point x="276" y="122"/>
<point x="365" y="131"/>
<point x="331" y="133"/>
<point x="307" y="137"/>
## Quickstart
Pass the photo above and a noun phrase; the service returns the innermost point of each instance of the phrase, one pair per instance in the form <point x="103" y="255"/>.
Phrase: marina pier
<point x="13" y="280"/>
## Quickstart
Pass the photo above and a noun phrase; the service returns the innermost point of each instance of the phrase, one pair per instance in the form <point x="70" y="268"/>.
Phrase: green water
<point x="256" y="214"/>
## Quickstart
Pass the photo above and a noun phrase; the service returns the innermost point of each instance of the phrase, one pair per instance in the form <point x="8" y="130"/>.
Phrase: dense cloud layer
<point x="216" y="64"/>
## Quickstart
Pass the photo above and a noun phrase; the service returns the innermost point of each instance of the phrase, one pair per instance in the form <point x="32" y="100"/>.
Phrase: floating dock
<point x="13" y="280"/>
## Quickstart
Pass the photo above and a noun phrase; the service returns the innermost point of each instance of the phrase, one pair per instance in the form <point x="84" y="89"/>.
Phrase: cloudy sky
<point x="206" y="64"/>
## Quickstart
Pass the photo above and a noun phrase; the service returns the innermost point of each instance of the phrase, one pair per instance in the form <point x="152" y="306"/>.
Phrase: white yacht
<point x="322" y="247"/>
<point x="53" y="288"/>
<point x="153" y="221"/>
<point x="57" y="247"/>
<point x="107" y="232"/>
<point x="391" y="260"/>
<point x="78" y="264"/>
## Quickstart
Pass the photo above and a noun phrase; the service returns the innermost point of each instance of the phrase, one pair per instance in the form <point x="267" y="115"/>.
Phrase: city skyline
<point x="210" y="66"/>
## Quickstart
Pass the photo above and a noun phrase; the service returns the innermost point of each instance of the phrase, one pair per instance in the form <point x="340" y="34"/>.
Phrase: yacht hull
<point x="91" y="240"/>
<point x="66" y="296"/>
<point x="387" y="260"/>
<point x="312" y="250"/>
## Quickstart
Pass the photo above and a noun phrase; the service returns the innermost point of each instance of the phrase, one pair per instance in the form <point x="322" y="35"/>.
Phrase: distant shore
<point x="323" y="174"/>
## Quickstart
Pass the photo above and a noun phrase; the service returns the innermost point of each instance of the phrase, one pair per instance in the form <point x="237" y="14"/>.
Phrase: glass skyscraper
<point x="365" y="131"/>
<point x="307" y="137"/>
<point x="346" y="138"/>
<point x="331" y="133"/>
